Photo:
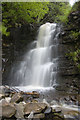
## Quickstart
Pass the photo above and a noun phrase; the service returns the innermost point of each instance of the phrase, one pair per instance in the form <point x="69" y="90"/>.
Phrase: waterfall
<point x="39" y="67"/>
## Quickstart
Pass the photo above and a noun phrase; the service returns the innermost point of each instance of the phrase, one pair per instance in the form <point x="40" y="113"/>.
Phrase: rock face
<point x="13" y="47"/>
<point x="67" y="70"/>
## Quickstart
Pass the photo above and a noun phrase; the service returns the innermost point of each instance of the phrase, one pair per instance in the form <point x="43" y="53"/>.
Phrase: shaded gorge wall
<point x="15" y="46"/>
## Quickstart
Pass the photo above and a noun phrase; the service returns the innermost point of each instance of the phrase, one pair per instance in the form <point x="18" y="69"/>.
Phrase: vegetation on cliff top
<point x="17" y="13"/>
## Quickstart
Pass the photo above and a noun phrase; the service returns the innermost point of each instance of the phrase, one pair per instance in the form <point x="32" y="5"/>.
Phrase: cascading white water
<point x="39" y="67"/>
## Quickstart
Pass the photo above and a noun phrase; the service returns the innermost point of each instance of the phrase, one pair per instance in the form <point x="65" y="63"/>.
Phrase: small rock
<point x="31" y="115"/>
<point x="8" y="99"/>
<point x="39" y="116"/>
<point x="53" y="102"/>
<point x="2" y="96"/>
<point x="17" y="97"/>
<point x="34" y="94"/>
<point x="35" y="107"/>
<point x="48" y="110"/>
<point x="58" y="110"/>
<point x="34" y="101"/>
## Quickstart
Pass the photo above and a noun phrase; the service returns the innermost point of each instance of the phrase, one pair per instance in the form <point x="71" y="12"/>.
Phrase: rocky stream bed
<point x="37" y="104"/>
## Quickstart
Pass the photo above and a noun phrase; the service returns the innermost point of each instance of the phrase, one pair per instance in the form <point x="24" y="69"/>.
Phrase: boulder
<point x="16" y="98"/>
<point x="8" y="110"/>
<point x="35" y="107"/>
<point x="19" y="110"/>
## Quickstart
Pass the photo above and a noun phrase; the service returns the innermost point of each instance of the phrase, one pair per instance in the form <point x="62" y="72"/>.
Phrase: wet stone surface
<point x="38" y="107"/>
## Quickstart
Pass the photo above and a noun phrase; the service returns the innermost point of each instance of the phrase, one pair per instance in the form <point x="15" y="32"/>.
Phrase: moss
<point x="74" y="34"/>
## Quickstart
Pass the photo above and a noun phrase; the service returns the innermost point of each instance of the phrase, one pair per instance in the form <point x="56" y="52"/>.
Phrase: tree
<point x="22" y="12"/>
<point x="58" y="12"/>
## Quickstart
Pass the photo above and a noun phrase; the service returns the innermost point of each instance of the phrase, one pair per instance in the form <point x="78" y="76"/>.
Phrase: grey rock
<point x="17" y="97"/>
<point x="48" y="110"/>
<point x="8" y="99"/>
<point x="19" y="110"/>
<point x="39" y="116"/>
<point x="8" y="110"/>
<point x="35" y="107"/>
<point x="2" y="96"/>
<point x="58" y="110"/>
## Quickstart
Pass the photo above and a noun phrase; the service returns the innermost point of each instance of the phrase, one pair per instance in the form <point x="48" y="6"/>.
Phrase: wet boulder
<point x="35" y="107"/>
<point x="19" y="110"/>
<point x="16" y="98"/>
<point x="8" y="110"/>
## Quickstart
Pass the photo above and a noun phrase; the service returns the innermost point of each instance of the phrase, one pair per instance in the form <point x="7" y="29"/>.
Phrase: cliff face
<point x="69" y="65"/>
<point x="69" y="48"/>
<point x="15" y="46"/>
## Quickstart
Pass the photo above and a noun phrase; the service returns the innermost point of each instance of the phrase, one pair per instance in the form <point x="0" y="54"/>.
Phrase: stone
<point x="48" y="110"/>
<point x="34" y="101"/>
<point x="34" y="94"/>
<point x="16" y="98"/>
<point x="19" y="110"/>
<point x="39" y="116"/>
<point x="54" y="102"/>
<point x="3" y="102"/>
<point x="6" y="89"/>
<point x="60" y="116"/>
<point x="8" y="99"/>
<point x="57" y="118"/>
<point x="1" y="89"/>
<point x="30" y="115"/>
<point x="44" y="101"/>
<point x="8" y="110"/>
<point x="35" y="107"/>
<point x="2" y="96"/>
<point x="58" y="110"/>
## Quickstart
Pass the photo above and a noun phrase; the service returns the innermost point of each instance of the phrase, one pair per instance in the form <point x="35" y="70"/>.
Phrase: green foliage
<point x="59" y="11"/>
<point x="76" y="57"/>
<point x="33" y="12"/>
<point x="74" y="34"/>
<point x="22" y="12"/>
<point x="4" y="31"/>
